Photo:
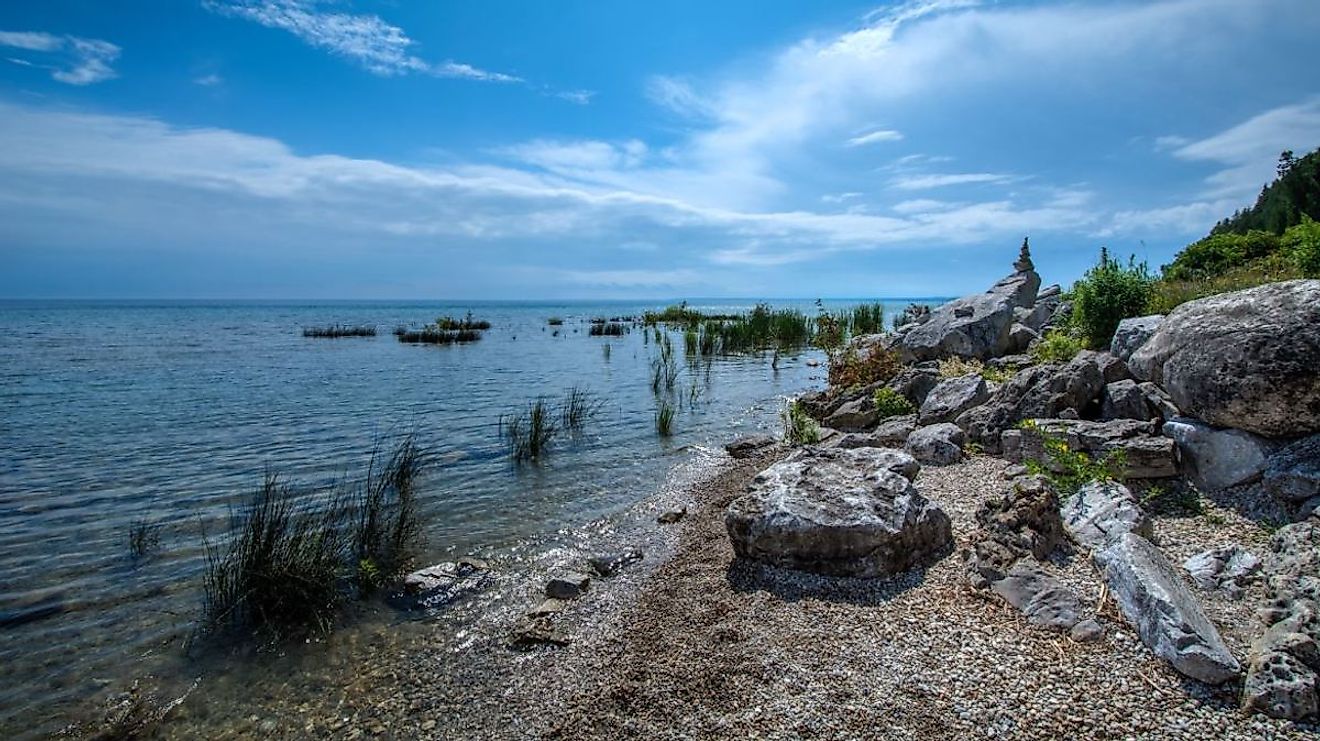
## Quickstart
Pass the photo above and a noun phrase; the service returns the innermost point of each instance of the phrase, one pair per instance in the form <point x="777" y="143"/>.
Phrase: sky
<point x="437" y="149"/>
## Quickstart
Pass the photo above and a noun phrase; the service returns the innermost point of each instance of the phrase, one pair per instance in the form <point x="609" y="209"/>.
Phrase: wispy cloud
<point x="1249" y="150"/>
<point x="928" y="182"/>
<point x="210" y="80"/>
<point x="874" y="137"/>
<point x="580" y="97"/>
<point x="75" y="60"/>
<point x="369" y="40"/>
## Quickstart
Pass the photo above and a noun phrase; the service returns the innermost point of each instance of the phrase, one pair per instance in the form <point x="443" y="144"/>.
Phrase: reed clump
<point x="530" y="433"/>
<point x="607" y="329"/>
<point x="293" y="557"/>
<point x="466" y="323"/>
<point x="664" y="419"/>
<point x="335" y="331"/>
<point x="431" y="335"/>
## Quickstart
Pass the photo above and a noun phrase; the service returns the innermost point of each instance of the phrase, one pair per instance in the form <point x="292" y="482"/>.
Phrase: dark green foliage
<point x="293" y="557"/>
<point x="1107" y="294"/>
<point x="890" y="403"/>
<point x="1281" y="204"/>
<point x="339" y="330"/>
<point x="867" y="319"/>
<point x="799" y="427"/>
<point x="1057" y="346"/>
<point x="433" y="336"/>
<point x="1216" y="253"/>
<point x="1302" y="245"/>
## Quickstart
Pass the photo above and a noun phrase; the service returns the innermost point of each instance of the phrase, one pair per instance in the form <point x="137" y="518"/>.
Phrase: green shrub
<point x="799" y="427"/>
<point x="1219" y="252"/>
<point x="1069" y="470"/>
<point x="849" y="369"/>
<point x="1169" y="294"/>
<point x="1302" y="244"/>
<point x="1057" y="346"/>
<point x="1107" y="294"/>
<point x="890" y="403"/>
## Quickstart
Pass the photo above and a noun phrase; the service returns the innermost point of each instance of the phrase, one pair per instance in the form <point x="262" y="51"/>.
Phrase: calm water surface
<point x="115" y="413"/>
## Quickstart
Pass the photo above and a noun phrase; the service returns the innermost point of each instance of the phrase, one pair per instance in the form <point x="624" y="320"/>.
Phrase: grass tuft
<point x="143" y="538"/>
<point x="799" y="427"/>
<point x="664" y="419"/>
<point x="334" y="331"/>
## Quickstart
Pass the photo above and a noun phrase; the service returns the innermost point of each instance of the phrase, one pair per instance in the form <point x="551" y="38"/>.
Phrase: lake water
<point x="170" y="413"/>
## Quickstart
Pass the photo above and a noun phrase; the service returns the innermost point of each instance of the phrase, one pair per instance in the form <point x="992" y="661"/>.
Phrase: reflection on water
<point x="168" y="414"/>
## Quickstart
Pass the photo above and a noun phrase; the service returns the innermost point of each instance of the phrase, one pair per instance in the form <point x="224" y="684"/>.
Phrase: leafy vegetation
<point x="335" y="331"/>
<point x="890" y="403"/>
<point x="799" y="427"/>
<point x="449" y="323"/>
<point x="850" y="369"/>
<point x="1108" y="293"/>
<point x="956" y="367"/>
<point x="1294" y="194"/>
<point x="1057" y="346"/>
<point x="292" y="557"/>
<point x="1067" y="469"/>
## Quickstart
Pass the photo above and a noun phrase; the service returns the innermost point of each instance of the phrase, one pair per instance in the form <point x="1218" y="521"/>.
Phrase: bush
<point x="1219" y="252"/>
<point x="848" y="369"/>
<point x="1302" y="244"/>
<point x="1057" y="346"/>
<point x="799" y="427"/>
<point x="1107" y="294"/>
<point x="890" y="403"/>
<point x="1169" y="294"/>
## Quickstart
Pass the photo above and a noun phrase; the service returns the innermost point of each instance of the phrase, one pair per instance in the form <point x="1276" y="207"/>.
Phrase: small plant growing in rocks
<point x="1057" y="346"/>
<point x="890" y="403"/>
<point x="799" y="427"/>
<point x="849" y="369"/>
<point x="959" y="367"/>
<point x="1069" y="470"/>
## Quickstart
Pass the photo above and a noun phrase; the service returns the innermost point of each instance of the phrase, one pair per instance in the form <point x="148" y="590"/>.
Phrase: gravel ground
<point x="700" y="646"/>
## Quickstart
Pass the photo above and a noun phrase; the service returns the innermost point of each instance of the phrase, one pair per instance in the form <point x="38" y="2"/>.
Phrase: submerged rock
<point x="440" y="585"/>
<point x="567" y="586"/>
<point x="840" y="513"/>
<point x="1154" y="598"/>
<point x="1245" y="360"/>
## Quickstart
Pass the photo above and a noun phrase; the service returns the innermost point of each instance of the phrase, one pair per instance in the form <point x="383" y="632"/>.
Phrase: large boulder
<point x="1132" y="333"/>
<point x="952" y="397"/>
<point x="1124" y="400"/>
<point x="1245" y="360"/>
<point x="937" y="445"/>
<point x="1216" y="459"/>
<point x="854" y="415"/>
<point x="1042" y="391"/>
<point x="916" y="382"/>
<point x="1101" y="512"/>
<point x="1292" y="475"/>
<point x="890" y="433"/>
<point x="1165" y="613"/>
<point x="1145" y="454"/>
<point x="975" y="326"/>
<point x="840" y="513"/>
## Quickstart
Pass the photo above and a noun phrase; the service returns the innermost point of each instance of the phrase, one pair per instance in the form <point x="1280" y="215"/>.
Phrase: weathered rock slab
<point x="1292" y="474"/>
<point x="937" y="445"/>
<point x="1167" y="617"/>
<point x="749" y="446"/>
<point x="839" y="512"/>
<point x="1228" y="567"/>
<point x="1216" y="459"/>
<point x="952" y="397"/>
<point x="1146" y="455"/>
<point x="975" y="326"/>
<point x="1101" y="512"/>
<point x="1132" y="333"/>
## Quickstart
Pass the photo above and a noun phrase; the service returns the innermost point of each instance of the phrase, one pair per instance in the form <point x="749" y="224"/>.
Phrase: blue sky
<point x="445" y="149"/>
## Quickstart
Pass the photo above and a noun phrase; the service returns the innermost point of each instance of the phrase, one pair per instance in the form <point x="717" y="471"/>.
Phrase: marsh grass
<point x="528" y="433"/>
<point x="143" y="538"/>
<point x="578" y="408"/>
<point x="664" y="367"/>
<point x="555" y="321"/>
<point x="293" y="557"/>
<point x="866" y="319"/>
<point x="449" y="323"/>
<point x="607" y="329"/>
<point x="664" y="419"/>
<point x="334" y="331"/>
<point x="431" y="335"/>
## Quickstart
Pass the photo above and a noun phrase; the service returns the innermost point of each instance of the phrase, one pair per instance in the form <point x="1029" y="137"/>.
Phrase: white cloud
<point x="1184" y="219"/>
<point x="1250" y="149"/>
<point x="881" y="135"/>
<point x="210" y="80"/>
<point x="580" y="97"/>
<point x="81" y="61"/>
<point x="840" y="197"/>
<point x="378" y="46"/>
<point x="678" y="96"/>
<point x="921" y="205"/>
<point x="928" y="182"/>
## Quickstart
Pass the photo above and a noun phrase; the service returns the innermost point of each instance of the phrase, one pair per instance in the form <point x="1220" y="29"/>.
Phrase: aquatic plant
<point x="293" y="557"/>
<point x="664" y="368"/>
<point x="340" y="330"/>
<point x="555" y="321"/>
<point x="527" y="434"/>
<point x="799" y="427"/>
<point x="578" y="408"/>
<point x="690" y="342"/>
<point x="890" y="403"/>
<point x="431" y="335"/>
<point x="143" y="538"/>
<point x="448" y="323"/>
<point x="664" y="419"/>
<point x="866" y="319"/>
<point x="607" y="329"/>
<point x="605" y="350"/>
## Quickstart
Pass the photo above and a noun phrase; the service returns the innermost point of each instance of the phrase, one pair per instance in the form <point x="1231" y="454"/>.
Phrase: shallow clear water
<point x="117" y="412"/>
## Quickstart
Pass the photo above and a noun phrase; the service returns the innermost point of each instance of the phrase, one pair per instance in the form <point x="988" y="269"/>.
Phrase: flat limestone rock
<point x="839" y="512"/>
<point x="1101" y="512"/>
<point x="1216" y="459"/>
<point x="750" y="445"/>
<point x="1154" y="598"/>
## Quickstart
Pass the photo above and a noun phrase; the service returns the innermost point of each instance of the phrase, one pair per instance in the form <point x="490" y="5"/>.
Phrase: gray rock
<point x="1147" y="455"/>
<point x="750" y="445"/>
<point x="1228" y="568"/>
<point x="1159" y="401"/>
<point x="1283" y="674"/>
<point x="442" y="584"/>
<point x="975" y="326"/>
<point x="1042" y="391"/>
<point x="1124" y="400"/>
<point x="854" y="416"/>
<point x="840" y="513"/>
<point x="548" y="606"/>
<point x="1101" y="512"/>
<point x="569" y="585"/>
<point x="1292" y="474"/>
<point x="1048" y="291"/>
<point x="952" y="397"/>
<point x="1020" y="337"/>
<point x="890" y="433"/>
<point x="1038" y="316"/>
<point x="916" y="382"/>
<point x="609" y="564"/>
<point x="672" y="516"/>
<point x="1112" y="369"/>
<point x="1245" y="360"/>
<point x="534" y="632"/>
<point x="1217" y="459"/>
<point x="1044" y="600"/>
<point x="1164" y="611"/>
<point x="1132" y="334"/>
<point x="938" y="445"/>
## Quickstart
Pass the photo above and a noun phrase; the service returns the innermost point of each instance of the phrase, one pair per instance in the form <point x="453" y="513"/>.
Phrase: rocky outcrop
<point x="1124" y="400"/>
<point x="975" y="326"/>
<point x="1228" y="568"/>
<point x="1014" y="534"/>
<point x="1132" y="333"/>
<point x="1245" y="360"/>
<point x="1283" y="674"/>
<point x="1146" y="455"/>
<point x="1154" y="598"/>
<point x="1101" y="512"/>
<point x="1217" y="459"/>
<point x="839" y="512"/>
<point x="1042" y="391"/>
<point x="952" y="397"/>
<point x="1292" y="474"/>
<point x="891" y="433"/>
<point x="916" y="382"/>
<point x="937" y="445"/>
<point x="854" y="415"/>
<point x="749" y="446"/>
